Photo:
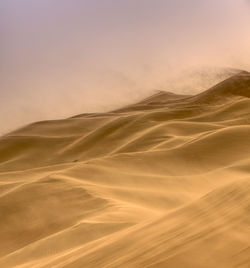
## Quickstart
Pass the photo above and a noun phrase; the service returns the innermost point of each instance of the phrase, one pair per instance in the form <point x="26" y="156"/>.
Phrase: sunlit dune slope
<point x="161" y="183"/>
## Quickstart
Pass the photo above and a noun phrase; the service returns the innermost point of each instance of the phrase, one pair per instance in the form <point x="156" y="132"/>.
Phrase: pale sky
<point x="60" y="58"/>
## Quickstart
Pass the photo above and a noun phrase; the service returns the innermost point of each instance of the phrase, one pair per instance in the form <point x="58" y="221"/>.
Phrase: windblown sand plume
<point x="162" y="183"/>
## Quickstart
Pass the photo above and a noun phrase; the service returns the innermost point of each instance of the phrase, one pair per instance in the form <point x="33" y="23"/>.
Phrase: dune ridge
<point x="160" y="183"/>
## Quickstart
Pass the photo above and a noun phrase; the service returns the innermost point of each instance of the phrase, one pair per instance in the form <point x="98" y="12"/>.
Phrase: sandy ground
<point x="162" y="183"/>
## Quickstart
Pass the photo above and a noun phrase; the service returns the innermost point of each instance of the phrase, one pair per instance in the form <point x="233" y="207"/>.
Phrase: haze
<point x="61" y="58"/>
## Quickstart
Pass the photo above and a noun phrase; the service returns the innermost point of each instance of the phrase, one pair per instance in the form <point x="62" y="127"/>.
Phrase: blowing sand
<point x="162" y="183"/>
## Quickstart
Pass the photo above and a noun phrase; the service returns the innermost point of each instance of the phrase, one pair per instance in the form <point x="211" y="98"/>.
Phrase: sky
<point x="60" y="58"/>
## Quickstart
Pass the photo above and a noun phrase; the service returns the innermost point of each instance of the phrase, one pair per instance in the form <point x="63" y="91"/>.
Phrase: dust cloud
<point x="61" y="58"/>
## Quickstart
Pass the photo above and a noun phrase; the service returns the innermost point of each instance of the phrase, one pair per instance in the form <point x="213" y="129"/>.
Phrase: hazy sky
<point x="60" y="58"/>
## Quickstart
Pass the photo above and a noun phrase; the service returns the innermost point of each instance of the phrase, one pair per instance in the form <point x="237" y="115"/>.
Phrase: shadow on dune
<point x="160" y="183"/>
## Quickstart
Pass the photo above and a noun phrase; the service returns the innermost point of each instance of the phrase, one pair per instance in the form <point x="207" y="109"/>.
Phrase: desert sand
<point x="161" y="183"/>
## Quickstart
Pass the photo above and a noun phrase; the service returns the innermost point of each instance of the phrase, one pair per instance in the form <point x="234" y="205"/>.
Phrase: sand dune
<point x="161" y="183"/>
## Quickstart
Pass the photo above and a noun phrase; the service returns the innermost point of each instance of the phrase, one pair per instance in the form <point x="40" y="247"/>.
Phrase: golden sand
<point x="162" y="183"/>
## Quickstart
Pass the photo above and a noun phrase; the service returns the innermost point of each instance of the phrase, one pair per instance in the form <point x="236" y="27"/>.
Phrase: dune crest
<point x="161" y="183"/>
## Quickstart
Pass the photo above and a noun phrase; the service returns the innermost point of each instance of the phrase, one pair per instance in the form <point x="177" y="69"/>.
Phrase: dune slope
<point x="161" y="183"/>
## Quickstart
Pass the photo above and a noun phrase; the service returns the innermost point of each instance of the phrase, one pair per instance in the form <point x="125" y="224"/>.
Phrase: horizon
<point x="61" y="59"/>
